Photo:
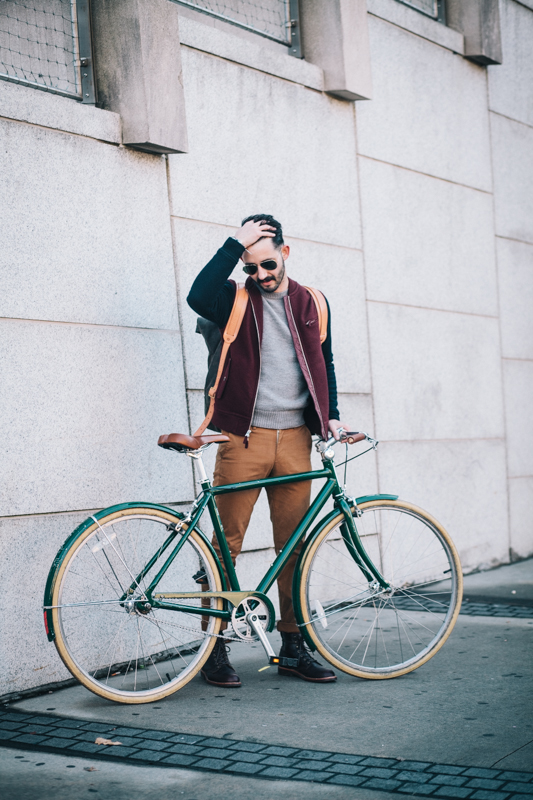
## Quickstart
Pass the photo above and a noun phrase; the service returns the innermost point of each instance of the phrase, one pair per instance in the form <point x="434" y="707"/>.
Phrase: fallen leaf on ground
<point x="101" y="740"/>
<point x="90" y="769"/>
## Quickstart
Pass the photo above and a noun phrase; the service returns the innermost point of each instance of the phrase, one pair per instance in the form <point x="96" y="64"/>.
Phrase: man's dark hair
<point x="277" y="241"/>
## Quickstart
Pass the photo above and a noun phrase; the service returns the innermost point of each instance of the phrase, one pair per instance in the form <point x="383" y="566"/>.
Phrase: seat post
<point x="198" y="457"/>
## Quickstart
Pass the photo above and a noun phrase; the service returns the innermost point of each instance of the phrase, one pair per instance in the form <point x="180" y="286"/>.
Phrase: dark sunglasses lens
<point x="251" y="269"/>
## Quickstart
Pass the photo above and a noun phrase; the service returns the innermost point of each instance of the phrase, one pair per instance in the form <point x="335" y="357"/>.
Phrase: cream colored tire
<point x="362" y="629"/>
<point x="131" y="655"/>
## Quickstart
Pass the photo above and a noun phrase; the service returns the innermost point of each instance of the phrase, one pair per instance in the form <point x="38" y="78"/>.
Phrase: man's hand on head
<point x="252" y="231"/>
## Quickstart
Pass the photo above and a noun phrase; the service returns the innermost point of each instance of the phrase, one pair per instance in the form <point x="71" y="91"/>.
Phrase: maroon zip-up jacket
<point x="237" y="390"/>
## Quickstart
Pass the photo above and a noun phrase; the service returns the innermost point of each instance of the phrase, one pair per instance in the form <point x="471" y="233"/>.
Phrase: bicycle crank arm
<point x="255" y="624"/>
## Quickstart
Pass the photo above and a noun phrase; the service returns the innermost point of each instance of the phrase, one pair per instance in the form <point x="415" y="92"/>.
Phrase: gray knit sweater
<point x="282" y="393"/>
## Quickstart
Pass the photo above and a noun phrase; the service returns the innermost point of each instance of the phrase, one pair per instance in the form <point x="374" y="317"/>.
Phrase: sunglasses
<point x="270" y="264"/>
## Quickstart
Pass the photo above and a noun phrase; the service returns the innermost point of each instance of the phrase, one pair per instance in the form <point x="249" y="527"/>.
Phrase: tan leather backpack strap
<point x="230" y="334"/>
<point x="237" y="314"/>
<point x="322" y="308"/>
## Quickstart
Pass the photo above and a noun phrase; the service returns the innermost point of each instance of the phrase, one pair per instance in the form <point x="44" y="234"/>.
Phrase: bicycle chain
<point x="212" y="635"/>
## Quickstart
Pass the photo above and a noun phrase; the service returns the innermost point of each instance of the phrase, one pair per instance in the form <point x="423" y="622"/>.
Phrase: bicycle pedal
<point x="200" y="576"/>
<point x="283" y="661"/>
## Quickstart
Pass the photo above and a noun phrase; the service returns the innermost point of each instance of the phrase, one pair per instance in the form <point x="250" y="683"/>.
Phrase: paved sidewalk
<point x="461" y="726"/>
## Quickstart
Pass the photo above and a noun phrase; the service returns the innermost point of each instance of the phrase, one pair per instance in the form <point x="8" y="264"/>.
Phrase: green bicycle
<point x="136" y="595"/>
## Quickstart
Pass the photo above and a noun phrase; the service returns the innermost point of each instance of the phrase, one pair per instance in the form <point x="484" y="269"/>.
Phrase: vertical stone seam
<point x="497" y="268"/>
<point x="360" y="198"/>
<point x="178" y="311"/>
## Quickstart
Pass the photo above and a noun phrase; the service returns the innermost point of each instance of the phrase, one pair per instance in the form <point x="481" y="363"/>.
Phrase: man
<point x="278" y="387"/>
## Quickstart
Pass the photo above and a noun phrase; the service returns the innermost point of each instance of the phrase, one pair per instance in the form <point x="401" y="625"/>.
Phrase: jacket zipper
<point x="313" y="390"/>
<point x="246" y="439"/>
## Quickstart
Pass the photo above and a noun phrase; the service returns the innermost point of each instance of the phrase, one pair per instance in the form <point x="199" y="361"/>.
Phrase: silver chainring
<point x="241" y="628"/>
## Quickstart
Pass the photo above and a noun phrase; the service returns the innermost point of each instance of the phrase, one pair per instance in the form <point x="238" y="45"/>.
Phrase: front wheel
<point x="358" y="626"/>
<point x="109" y="638"/>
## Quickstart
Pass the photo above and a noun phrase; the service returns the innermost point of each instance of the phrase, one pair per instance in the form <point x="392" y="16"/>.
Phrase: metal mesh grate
<point x="269" y="18"/>
<point x="38" y="44"/>
<point x="429" y="7"/>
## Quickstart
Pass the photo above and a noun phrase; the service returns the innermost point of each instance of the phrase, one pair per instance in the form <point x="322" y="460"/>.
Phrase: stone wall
<point x="412" y="211"/>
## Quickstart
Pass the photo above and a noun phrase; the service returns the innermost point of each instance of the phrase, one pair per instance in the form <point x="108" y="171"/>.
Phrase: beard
<point x="273" y="282"/>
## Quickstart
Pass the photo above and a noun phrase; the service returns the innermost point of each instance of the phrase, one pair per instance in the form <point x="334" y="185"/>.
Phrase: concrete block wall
<point x="411" y="211"/>
<point x="510" y="101"/>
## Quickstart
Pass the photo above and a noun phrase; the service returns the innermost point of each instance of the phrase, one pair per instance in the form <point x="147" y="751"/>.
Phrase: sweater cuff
<point x="233" y="247"/>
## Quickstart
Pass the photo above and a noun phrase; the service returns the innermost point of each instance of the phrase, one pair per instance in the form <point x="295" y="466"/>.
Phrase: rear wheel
<point x="355" y="624"/>
<point x="125" y="650"/>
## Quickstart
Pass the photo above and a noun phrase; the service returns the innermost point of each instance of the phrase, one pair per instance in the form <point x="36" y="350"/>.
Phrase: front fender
<point x="65" y="547"/>
<point x="316" y="531"/>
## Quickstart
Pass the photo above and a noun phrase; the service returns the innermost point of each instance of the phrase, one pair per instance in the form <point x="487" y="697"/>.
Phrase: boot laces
<point x="220" y="654"/>
<point x="306" y="657"/>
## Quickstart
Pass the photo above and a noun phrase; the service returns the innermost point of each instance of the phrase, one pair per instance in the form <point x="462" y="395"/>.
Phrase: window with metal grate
<point x="47" y="44"/>
<point x="432" y="8"/>
<point x="277" y="20"/>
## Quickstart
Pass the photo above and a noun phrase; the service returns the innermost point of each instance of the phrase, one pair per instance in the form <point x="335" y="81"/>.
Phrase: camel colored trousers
<point x="270" y="453"/>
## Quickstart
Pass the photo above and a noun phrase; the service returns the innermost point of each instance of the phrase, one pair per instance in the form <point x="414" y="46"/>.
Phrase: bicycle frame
<point x="207" y="500"/>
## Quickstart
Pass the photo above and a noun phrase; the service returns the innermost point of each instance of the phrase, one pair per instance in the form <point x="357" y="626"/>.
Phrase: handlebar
<point x="346" y="437"/>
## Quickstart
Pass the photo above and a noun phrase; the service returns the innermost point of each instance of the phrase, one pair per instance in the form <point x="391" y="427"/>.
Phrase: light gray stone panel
<point x="85" y="231"/>
<point x="515" y="275"/>
<point x="274" y="147"/>
<point x="518" y="386"/>
<point x="436" y="375"/>
<point x="201" y="32"/>
<point x="51" y="111"/>
<point x="428" y="242"/>
<point x="511" y="83"/>
<point x="462" y="484"/>
<point x="81" y="410"/>
<point x="362" y="477"/>
<point x="429" y="110"/>
<point x="512" y="145"/>
<point x="28" y="545"/>
<point x="521" y="516"/>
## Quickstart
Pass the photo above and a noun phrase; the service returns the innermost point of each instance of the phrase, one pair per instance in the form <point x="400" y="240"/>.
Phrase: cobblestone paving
<point x="472" y="608"/>
<point x="164" y="748"/>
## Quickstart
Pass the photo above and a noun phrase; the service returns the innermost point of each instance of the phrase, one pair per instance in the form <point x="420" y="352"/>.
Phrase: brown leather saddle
<point x="183" y="442"/>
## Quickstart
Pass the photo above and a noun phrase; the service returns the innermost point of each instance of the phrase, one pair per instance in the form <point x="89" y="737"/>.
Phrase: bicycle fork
<point x="355" y="547"/>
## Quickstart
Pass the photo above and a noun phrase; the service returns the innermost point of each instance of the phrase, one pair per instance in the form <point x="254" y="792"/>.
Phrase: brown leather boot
<point x="217" y="670"/>
<point x="296" y="661"/>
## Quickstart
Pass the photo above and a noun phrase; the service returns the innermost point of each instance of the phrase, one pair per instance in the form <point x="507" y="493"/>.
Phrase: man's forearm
<point x="211" y="295"/>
